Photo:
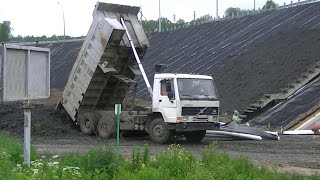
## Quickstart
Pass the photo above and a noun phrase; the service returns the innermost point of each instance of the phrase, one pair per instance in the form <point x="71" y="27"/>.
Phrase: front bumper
<point x="194" y="126"/>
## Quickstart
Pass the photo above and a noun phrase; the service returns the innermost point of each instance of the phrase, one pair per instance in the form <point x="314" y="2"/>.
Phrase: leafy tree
<point x="149" y="26"/>
<point x="202" y="19"/>
<point x="231" y="11"/>
<point x="166" y="24"/>
<point x="152" y="25"/>
<point x="181" y="22"/>
<point x="270" y="5"/>
<point x="5" y="31"/>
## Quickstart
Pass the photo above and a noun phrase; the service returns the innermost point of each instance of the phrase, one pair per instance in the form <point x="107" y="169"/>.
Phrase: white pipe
<point x="300" y="132"/>
<point x="138" y="59"/>
<point x="234" y="134"/>
<point x="276" y="134"/>
<point x="273" y="133"/>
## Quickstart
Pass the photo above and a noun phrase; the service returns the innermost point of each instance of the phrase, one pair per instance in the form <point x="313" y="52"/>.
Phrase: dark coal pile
<point x="63" y="56"/>
<point x="248" y="57"/>
<point x="46" y="122"/>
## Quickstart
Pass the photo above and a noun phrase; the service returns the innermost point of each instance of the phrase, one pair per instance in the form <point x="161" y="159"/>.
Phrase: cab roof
<point x="172" y="75"/>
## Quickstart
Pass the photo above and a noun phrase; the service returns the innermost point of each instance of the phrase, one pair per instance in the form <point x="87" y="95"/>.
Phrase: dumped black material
<point x="45" y="121"/>
<point x="287" y="112"/>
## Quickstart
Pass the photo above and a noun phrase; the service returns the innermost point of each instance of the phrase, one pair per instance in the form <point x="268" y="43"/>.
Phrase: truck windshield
<point x="196" y="89"/>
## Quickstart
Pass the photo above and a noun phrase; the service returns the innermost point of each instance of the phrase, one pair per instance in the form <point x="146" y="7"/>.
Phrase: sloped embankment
<point x="248" y="57"/>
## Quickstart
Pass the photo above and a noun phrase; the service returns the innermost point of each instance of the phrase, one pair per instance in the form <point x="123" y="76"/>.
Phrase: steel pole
<point x="145" y="78"/>
<point x="159" y="17"/>
<point x="64" y="21"/>
<point x="27" y="132"/>
<point x="64" y="25"/>
<point x="118" y="127"/>
<point x="217" y="9"/>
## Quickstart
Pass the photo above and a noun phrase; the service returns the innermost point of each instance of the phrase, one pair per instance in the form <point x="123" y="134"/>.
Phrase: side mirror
<point x="170" y="95"/>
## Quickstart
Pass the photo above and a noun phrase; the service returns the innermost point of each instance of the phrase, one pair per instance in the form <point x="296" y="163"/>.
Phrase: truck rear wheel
<point x="195" y="136"/>
<point x="159" y="131"/>
<point x="87" y="123"/>
<point x="106" y="126"/>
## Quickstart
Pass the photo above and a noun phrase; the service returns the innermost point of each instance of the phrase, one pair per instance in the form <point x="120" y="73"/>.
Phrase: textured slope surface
<point x="298" y="105"/>
<point x="63" y="56"/>
<point x="248" y="57"/>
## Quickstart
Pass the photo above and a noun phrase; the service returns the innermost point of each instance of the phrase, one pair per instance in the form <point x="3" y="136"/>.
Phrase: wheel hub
<point x="159" y="130"/>
<point x="87" y="123"/>
<point x="104" y="125"/>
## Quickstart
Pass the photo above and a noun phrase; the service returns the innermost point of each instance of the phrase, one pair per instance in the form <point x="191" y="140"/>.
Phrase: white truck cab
<point x="187" y="103"/>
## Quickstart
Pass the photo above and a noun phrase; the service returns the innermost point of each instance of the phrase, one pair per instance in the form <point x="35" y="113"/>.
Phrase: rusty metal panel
<point x="25" y="73"/>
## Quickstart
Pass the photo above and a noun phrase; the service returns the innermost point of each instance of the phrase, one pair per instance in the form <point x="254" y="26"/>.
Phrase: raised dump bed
<point x="105" y="64"/>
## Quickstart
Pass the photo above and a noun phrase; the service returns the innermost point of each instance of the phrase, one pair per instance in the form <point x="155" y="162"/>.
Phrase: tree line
<point x="234" y="11"/>
<point x="152" y="25"/>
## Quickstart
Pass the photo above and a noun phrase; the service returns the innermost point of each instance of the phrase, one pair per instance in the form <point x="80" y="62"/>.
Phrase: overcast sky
<point x="44" y="17"/>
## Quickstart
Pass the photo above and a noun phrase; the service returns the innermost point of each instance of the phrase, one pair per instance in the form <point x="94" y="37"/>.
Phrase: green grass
<point x="105" y="163"/>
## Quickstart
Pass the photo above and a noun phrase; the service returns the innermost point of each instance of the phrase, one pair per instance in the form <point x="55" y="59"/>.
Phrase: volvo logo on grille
<point x="202" y="110"/>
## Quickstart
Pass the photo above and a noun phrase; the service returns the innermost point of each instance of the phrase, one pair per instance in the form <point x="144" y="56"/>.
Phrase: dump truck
<point x="105" y="73"/>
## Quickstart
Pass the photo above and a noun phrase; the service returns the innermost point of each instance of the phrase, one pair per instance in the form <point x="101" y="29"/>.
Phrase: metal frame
<point x="29" y="50"/>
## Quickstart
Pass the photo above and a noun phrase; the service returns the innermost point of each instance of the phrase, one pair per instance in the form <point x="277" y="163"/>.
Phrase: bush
<point x="175" y="162"/>
<point x="103" y="160"/>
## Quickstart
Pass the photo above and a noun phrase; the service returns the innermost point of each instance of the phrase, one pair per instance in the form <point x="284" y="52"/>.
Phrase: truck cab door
<point x="167" y="100"/>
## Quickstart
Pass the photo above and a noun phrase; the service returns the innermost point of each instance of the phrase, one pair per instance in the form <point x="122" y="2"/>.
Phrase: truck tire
<point x="195" y="136"/>
<point x="88" y="123"/>
<point x="159" y="131"/>
<point x="106" y="126"/>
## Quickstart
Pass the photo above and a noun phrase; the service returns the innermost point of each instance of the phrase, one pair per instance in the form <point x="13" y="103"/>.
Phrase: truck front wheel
<point x="195" y="136"/>
<point x="159" y="131"/>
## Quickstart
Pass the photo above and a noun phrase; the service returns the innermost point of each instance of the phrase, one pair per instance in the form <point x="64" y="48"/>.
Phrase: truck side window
<point x="163" y="88"/>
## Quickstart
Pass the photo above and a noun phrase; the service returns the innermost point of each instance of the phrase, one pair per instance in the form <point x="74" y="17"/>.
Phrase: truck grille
<point x="191" y="111"/>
